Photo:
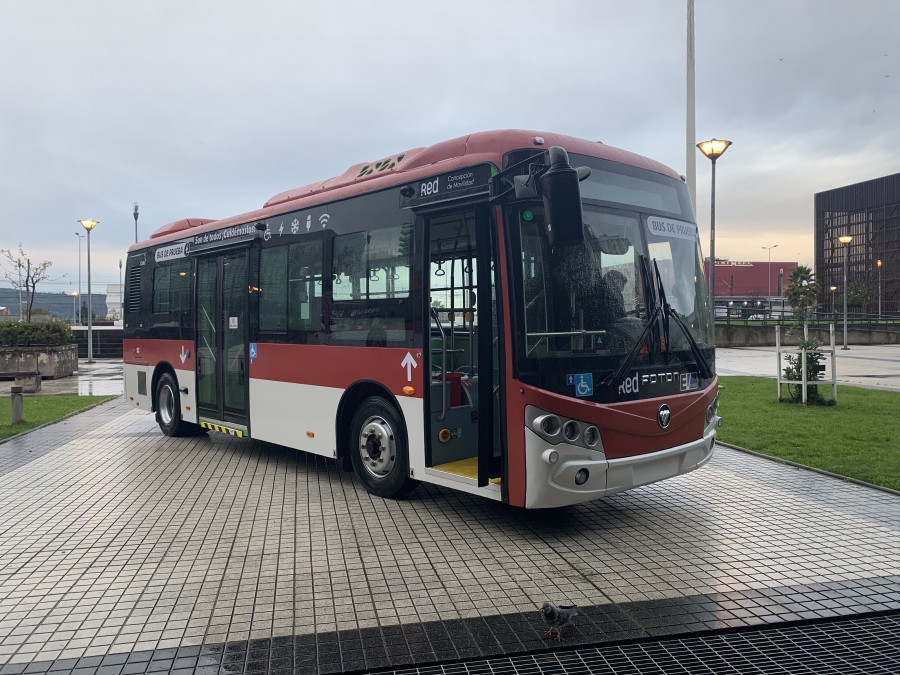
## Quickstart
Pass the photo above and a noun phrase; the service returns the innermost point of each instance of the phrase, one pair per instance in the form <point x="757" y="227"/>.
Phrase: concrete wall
<point x="749" y="335"/>
<point x="50" y="362"/>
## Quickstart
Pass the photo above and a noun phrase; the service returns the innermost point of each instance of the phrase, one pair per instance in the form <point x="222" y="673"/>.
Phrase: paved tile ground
<point x="124" y="551"/>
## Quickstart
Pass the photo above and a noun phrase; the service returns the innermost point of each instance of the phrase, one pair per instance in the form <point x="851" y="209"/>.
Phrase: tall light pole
<point x="121" y="293"/>
<point x="878" y="263"/>
<point x="74" y="307"/>
<point x="19" y="267"/>
<point x="713" y="149"/>
<point x="769" y="271"/>
<point x="89" y="225"/>
<point x="833" y="289"/>
<point x="80" y="237"/>
<point x="690" y="168"/>
<point x="845" y="240"/>
<point x="136" y="209"/>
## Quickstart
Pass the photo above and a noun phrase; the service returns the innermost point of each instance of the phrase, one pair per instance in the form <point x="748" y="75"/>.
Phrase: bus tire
<point x="168" y="408"/>
<point x="378" y="449"/>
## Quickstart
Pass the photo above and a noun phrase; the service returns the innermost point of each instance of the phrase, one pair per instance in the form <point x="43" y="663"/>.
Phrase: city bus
<point x="512" y="314"/>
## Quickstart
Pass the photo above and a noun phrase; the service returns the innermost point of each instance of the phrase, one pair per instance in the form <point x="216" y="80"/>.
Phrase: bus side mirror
<point x="562" y="198"/>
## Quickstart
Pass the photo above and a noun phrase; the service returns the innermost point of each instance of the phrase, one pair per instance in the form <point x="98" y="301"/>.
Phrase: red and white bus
<point x="512" y="314"/>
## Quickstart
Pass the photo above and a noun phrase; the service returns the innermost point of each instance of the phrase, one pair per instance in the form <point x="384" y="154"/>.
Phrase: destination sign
<point x="172" y="252"/>
<point x="450" y="185"/>
<point x="235" y="234"/>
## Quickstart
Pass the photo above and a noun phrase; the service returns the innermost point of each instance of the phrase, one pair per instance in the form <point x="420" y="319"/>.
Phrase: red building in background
<point x="750" y="280"/>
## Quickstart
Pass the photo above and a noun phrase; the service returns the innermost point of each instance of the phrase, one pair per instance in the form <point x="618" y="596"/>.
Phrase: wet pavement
<point x="870" y="366"/>
<point x="100" y="378"/>
<point x="122" y="550"/>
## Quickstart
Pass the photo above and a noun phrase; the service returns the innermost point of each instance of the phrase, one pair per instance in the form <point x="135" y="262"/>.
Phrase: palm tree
<point x="801" y="291"/>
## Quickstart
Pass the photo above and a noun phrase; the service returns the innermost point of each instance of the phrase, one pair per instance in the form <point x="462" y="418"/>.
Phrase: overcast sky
<point x="208" y="108"/>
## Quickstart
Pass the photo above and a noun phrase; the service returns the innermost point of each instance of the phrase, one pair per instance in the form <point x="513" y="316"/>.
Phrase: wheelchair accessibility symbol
<point x="583" y="383"/>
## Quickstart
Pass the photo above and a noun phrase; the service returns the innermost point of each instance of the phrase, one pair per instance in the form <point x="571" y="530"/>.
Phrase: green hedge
<point x="21" y="334"/>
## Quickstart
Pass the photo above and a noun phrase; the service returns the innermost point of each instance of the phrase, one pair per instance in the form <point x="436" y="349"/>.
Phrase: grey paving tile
<point x="114" y="539"/>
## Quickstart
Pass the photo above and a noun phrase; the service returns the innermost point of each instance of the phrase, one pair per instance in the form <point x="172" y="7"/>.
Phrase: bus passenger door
<point x="222" y="382"/>
<point x="463" y="400"/>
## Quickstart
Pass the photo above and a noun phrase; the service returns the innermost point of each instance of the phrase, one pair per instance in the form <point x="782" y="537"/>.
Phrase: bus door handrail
<point x="445" y="351"/>
<point x="437" y="320"/>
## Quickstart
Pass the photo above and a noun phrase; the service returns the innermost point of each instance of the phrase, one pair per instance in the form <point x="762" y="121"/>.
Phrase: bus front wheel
<point x="378" y="448"/>
<point x="168" y="408"/>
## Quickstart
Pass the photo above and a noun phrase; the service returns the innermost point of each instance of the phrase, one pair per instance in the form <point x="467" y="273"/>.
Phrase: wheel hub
<point x="376" y="447"/>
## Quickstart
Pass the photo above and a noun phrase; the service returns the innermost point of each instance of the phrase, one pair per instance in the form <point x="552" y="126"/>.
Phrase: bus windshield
<point x="596" y="297"/>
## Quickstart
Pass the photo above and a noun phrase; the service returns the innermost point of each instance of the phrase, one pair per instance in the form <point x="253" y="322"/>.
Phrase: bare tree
<point x="25" y="274"/>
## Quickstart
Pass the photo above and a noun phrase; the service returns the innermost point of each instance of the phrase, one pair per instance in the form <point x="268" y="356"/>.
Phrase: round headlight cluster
<point x="548" y="425"/>
<point x="591" y="436"/>
<point x="571" y="431"/>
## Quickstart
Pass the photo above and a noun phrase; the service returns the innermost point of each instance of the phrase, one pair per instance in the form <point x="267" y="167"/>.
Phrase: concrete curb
<point x="112" y="397"/>
<point x="810" y="468"/>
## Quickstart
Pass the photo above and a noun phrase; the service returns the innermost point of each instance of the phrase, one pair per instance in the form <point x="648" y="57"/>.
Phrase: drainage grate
<point x="867" y="645"/>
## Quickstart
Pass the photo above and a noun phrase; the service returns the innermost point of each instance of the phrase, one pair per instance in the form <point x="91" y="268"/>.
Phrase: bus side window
<point x="305" y="290"/>
<point x="370" y="285"/>
<point x="273" y="289"/>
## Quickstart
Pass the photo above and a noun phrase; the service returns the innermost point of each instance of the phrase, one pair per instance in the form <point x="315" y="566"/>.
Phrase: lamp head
<point x="846" y="239"/>
<point x="878" y="262"/>
<point x="713" y="148"/>
<point x="89" y="224"/>
<point x="833" y="288"/>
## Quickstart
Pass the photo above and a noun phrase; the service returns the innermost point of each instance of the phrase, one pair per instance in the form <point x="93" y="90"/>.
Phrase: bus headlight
<point x="571" y="431"/>
<point x="547" y="425"/>
<point x="591" y="436"/>
<point x="581" y="476"/>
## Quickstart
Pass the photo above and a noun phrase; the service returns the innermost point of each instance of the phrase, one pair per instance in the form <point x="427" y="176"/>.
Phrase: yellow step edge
<point x="468" y="468"/>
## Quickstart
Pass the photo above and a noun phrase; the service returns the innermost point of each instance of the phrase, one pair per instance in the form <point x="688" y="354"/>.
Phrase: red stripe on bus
<point x="331" y="366"/>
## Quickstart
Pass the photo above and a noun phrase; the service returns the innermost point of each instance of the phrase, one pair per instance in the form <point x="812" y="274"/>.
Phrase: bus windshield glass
<point x="596" y="298"/>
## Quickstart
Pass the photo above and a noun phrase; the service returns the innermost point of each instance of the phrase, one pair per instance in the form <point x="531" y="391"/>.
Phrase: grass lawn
<point x="859" y="437"/>
<point x="38" y="410"/>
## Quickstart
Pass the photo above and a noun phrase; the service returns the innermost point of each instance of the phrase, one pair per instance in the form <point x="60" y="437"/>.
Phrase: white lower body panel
<point x="552" y="485"/>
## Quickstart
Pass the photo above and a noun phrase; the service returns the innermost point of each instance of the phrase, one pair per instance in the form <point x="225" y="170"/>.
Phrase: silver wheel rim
<point x="377" y="448"/>
<point x="166" y="405"/>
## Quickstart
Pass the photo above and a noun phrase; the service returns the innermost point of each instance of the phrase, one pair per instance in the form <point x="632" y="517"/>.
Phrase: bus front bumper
<point x="580" y="475"/>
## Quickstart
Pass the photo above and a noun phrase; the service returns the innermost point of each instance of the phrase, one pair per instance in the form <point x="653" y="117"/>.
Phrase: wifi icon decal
<point x="323" y="220"/>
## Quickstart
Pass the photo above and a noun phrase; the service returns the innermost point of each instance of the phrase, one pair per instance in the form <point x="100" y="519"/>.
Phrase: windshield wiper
<point x="635" y="349"/>
<point x="650" y="300"/>
<point x="667" y="312"/>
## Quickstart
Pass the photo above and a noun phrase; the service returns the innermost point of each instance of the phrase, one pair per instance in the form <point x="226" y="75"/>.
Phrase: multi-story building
<point x="869" y="212"/>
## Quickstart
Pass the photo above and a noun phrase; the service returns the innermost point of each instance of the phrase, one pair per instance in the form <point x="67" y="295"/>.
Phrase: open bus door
<point x="222" y="334"/>
<point x="463" y="397"/>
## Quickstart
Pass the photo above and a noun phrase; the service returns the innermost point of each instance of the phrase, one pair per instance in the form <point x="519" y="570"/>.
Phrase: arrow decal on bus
<point x="409" y="363"/>
<point x="184" y="354"/>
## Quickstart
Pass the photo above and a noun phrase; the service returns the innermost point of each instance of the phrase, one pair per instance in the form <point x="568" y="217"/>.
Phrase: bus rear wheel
<point x="168" y="408"/>
<point x="378" y="449"/>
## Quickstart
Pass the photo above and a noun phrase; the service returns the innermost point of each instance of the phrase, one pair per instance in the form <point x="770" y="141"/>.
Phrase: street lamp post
<point x="713" y="149"/>
<point x="74" y="306"/>
<point x="878" y="264"/>
<point x="80" y="237"/>
<point x="136" y="208"/>
<point x="769" y="270"/>
<point x="845" y="240"/>
<point x="89" y="225"/>
<point x="833" y="289"/>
